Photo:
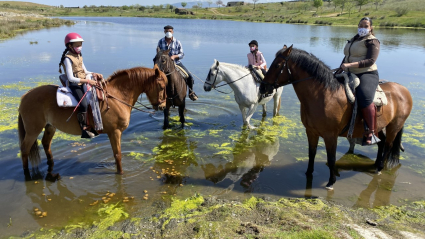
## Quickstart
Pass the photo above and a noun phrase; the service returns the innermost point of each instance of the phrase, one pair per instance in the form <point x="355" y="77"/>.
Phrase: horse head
<point x="164" y="61"/>
<point x="213" y="77"/>
<point x="278" y="73"/>
<point x="157" y="94"/>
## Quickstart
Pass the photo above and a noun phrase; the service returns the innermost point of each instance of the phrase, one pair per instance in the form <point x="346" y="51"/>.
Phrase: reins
<point x="227" y="83"/>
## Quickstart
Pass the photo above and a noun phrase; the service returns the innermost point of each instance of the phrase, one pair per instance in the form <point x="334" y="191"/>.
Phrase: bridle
<point x="215" y="79"/>
<point x="285" y="65"/>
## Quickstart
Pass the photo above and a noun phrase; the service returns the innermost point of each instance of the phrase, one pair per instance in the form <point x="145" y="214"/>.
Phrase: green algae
<point x="401" y="215"/>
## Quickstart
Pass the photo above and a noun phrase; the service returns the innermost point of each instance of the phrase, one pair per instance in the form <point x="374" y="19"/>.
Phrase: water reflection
<point x="245" y="167"/>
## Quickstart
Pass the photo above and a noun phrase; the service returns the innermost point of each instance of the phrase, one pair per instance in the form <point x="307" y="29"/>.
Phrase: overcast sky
<point x="74" y="3"/>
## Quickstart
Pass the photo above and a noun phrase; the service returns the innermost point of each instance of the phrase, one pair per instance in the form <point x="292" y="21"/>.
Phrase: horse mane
<point x="235" y="66"/>
<point x="135" y="75"/>
<point x="314" y="67"/>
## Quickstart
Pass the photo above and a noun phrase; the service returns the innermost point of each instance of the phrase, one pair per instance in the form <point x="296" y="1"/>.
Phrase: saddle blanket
<point x="182" y="72"/>
<point x="351" y="81"/>
<point x="64" y="98"/>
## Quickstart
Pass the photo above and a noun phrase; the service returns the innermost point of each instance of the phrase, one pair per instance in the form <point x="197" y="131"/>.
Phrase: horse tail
<point x="34" y="154"/>
<point x="394" y="156"/>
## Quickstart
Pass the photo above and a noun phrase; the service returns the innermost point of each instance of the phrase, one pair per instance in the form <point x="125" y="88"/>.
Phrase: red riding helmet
<point x="73" y="37"/>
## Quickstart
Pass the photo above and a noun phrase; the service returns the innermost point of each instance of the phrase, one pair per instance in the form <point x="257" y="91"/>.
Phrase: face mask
<point x="253" y="48"/>
<point x="363" y="31"/>
<point x="78" y="49"/>
<point x="168" y="35"/>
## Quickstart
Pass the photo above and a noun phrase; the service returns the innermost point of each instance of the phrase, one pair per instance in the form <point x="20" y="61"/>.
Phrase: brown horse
<point x="325" y="111"/>
<point x="176" y="87"/>
<point x="38" y="110"/>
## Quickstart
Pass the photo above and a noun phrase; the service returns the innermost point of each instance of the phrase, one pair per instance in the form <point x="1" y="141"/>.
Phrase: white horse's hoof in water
<point x="378" y="172"/>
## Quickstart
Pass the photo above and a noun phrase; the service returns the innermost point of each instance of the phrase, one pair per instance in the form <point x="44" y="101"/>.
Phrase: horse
<point x="245" y="88"/>
<point x="38" y="110"/>
<point x="176" y="87"/>
<point x="325" y="111"/>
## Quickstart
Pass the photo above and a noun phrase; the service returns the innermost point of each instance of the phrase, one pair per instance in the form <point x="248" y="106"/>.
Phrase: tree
<point x="255" y="2"/>
<point x="209" y="3"/>
<point x="349" y="5"/>
<point x="219" y="3"/>
<point x="377" y="2"/>
<point x="142" y="8"/>
<point x="184" y="4"/>
<point x="336" y="4"/>
<point x="317" y="4"/>
<point x="199" y="4"/>
<point x="343" y="3"/>
<point x="361" y="3"/>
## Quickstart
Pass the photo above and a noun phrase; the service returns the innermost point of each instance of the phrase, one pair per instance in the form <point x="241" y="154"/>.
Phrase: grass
<point x="390" y="13"/>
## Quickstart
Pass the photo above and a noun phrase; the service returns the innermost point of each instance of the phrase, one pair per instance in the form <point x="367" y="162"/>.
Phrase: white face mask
<point x="78" y="49"/>
<point x="362" y="31"/>
<point x="253" y="48"/>
<point x="168" y="35"/>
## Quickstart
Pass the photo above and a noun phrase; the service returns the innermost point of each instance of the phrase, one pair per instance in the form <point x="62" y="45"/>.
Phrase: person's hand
<point x="344" y="66"/>
<point x="91" y="82"/>
<point x="257" y="67"/>
<point x="339" y="71"/>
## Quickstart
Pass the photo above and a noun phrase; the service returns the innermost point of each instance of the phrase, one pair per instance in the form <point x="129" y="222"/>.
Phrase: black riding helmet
<point x="253" y="42"/>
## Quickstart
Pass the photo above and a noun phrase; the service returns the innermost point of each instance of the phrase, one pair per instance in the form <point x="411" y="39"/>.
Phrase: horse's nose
<point x="207" y="88"/>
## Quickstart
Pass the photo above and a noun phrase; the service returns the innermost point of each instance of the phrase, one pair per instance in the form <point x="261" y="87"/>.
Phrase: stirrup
<point x="193" y="96"/>
<point x="373" y="140"/>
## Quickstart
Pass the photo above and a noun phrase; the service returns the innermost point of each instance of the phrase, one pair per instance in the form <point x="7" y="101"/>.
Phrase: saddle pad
<point x="182" y="72"/>
<point x="351" y="82"/>
<point x="259" y="73"/>
<point x="64" y="97"/>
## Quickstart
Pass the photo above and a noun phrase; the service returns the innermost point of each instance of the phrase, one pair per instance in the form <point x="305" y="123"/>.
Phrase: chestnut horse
<point x="38" y="110"/>
<point x="325" y="111"/>
<point x="176" y="87"/>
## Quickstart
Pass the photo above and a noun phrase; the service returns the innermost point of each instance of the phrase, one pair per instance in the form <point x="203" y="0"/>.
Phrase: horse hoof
<point x="329" y="187"/>
<point x="378" y="172"/>
<point x="120" y="172"/>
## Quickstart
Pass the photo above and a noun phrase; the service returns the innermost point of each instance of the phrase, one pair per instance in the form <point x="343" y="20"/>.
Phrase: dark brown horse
<point x="176" y="87"/>
<point x="38" y="110"/>
<point x="325" y="111"/>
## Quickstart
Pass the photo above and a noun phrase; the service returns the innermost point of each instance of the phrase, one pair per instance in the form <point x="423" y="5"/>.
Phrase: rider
<point x="78" y="77"/>
<point x="176" y="54"/>
<point x="255" y="58"/>
<point x="361" y="53"/>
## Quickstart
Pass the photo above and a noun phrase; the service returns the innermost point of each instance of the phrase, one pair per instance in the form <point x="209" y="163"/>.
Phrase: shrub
<point x="401" y="11"/>
<point x="383" y="17"/>
<point x="366" y="14"/>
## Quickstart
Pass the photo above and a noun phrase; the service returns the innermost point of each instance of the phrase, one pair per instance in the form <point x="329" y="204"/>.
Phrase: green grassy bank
<point x="387" y="13"/>
<point x="16" y="17"/>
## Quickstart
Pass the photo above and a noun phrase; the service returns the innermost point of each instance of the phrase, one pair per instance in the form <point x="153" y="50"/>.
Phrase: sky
<point x="81" y="3"/>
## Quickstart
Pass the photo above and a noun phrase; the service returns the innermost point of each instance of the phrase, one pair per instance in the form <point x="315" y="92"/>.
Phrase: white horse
<point x="246" y="89"/>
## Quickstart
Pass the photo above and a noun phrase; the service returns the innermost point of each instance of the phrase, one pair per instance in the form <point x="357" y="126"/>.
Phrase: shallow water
<point x="212" y="155"/>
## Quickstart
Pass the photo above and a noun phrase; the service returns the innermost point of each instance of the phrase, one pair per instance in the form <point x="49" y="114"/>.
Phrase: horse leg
<point x="115" y="139"/>
<point x="391" y="134"/>
<point x="49" y="132"/>
<point x="181" y="113"/>
<point x="381" y="147"/>
<point x="243" y="111"/>
<point x="352" y="145"/>
<point x="276" y="105"/>
<point x="331" y="144"/>
<point x="264" y="110"/>
<point x="166" y="115"/>
<point x="313" y="140"/>
<point x="249" y="114"/>
<point x="28" y="145"/>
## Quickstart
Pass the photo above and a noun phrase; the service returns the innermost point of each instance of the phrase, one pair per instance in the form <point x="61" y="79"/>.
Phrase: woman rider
<point x="361" y="53"/>
<point x="78" y="77"/>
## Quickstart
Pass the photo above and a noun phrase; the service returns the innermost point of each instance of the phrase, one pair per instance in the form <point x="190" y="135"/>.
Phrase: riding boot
<point x="85" y="134"/>
<point x="369" y="114"/>
<point x="192" y="94"/>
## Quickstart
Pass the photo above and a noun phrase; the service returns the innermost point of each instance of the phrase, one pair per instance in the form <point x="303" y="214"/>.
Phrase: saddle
<point x="182" y="72"/>
<point x="256" y="74"/>
<point x="351" y="82"/>
<point x="100" y="87"/>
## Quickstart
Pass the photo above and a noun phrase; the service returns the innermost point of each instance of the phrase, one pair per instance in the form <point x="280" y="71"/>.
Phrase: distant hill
<point x="191" y="4"/>
<point x="22" y="4"/>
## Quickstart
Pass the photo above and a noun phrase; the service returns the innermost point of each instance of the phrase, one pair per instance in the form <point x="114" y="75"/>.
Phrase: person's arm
<point x="264" y="61"/>
<point x="373" y="47"/>
<point x="85" y="70"/>
<point x="68" y="66"/>
<point x="180" y="53"/>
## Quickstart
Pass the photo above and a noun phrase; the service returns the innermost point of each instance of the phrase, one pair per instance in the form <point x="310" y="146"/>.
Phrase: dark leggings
<point x="189" y="80"/>
<point x="78" y="92"/>
<point x="365" y="92"/>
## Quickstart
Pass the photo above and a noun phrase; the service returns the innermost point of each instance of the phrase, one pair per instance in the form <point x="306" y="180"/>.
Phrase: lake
<point x="212" y="155"/>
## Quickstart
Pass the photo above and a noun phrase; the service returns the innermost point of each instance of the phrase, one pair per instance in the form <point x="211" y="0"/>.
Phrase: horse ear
<point x="288" y="50"/>
<point x="216" y="63"/>
<point x="285" y="46"/>
<point x="157" y="71"/>
<point x="167" y="51"/>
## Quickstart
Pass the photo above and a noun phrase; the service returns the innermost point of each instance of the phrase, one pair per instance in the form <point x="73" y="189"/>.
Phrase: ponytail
<point x="62" y="58"/>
